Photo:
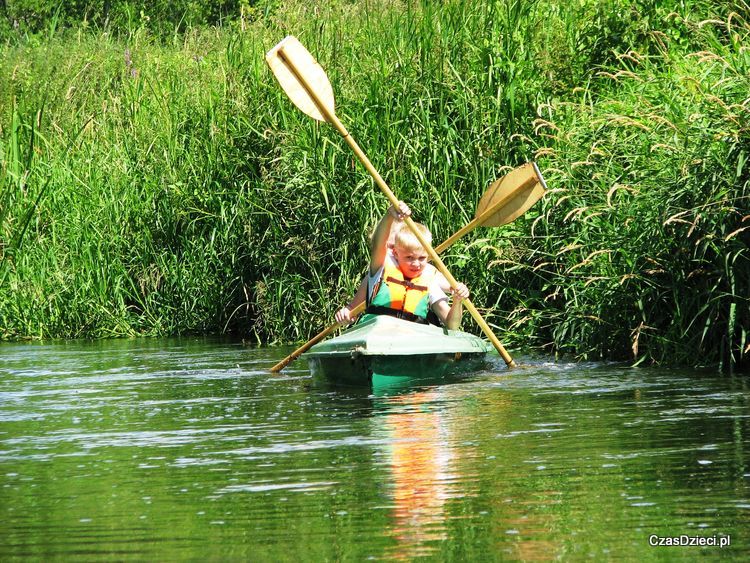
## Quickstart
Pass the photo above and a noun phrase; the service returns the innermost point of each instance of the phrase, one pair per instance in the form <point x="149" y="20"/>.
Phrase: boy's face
<point x="411" y="261"/>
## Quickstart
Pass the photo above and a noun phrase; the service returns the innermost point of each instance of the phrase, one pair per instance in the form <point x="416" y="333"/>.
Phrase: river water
<point x="190" y="449"/>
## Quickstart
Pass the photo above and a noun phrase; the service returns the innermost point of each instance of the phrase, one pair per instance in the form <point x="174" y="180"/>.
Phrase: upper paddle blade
<point x="511" y="196"/>
<point x="302" y="78"/>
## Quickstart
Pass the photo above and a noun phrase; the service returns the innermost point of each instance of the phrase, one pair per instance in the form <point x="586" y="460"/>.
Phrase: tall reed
<point x="645" y="255"/>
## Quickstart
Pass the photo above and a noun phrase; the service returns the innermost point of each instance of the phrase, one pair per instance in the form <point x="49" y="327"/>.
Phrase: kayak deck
<point x="387" y="347"/>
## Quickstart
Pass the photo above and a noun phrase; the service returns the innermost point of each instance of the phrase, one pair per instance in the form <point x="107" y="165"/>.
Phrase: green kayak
<point x="384" y="349"/>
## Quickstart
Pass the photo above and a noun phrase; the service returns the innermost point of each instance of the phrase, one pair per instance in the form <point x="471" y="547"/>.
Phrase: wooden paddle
<point x="505" y="200"/>
<point x="308" y="87"/>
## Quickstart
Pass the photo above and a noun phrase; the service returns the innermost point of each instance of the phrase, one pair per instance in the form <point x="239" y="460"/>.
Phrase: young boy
<point x="401" y="282"/>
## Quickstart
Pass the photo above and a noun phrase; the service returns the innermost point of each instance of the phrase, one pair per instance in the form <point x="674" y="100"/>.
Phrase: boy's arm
<point x="451" y="315"/>
<point x="344" y="315"/>
<point x="379" y="244"/>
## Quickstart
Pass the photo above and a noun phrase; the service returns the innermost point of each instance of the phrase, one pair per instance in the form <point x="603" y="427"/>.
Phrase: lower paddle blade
<point x="302" y="78"/>
<point x="515" y="193"/>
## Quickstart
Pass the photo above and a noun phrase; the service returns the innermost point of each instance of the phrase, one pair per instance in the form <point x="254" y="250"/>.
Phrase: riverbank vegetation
<point x="155" y="180"/>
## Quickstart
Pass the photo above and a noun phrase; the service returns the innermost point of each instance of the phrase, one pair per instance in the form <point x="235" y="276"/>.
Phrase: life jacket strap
<point x="407" y="284"/>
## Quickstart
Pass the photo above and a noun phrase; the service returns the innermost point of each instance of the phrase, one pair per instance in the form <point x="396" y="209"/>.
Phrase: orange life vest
<point x="400" y="297"/>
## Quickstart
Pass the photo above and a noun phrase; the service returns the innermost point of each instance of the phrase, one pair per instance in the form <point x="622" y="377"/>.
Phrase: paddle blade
<point x="302" y="78"/>
<point x="510" y="196"/>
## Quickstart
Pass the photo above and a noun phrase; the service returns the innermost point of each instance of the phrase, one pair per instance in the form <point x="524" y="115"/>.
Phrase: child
<point x="401" y="282"/>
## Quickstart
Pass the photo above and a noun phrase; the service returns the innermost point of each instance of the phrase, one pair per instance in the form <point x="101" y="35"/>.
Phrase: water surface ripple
<point x="188" y="448"/>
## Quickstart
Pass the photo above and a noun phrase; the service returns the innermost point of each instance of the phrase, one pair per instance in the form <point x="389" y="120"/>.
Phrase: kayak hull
<point x="385" y="350"/>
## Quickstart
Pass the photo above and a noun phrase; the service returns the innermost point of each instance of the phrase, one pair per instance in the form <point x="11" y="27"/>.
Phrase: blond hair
<point x="405" y="238"/>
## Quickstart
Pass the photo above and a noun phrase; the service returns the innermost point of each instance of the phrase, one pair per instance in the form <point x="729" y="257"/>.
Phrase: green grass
<point x="160" y="184"/>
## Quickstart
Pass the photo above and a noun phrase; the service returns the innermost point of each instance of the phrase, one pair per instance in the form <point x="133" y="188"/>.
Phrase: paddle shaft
<point x="331" y="118"/>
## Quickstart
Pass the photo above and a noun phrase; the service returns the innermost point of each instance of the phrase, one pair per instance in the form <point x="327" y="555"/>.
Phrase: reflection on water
<point x="437" y="473"/>
<point x="420" y="458"/>
<point x="182" y="449"/>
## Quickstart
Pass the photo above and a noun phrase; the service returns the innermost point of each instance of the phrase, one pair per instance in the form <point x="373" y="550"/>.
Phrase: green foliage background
<point x="159" y="16"/>
<point x="155" y="180"/>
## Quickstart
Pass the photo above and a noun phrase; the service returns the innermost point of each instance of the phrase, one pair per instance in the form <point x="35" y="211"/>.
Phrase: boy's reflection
<point x="421" y="460"/>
